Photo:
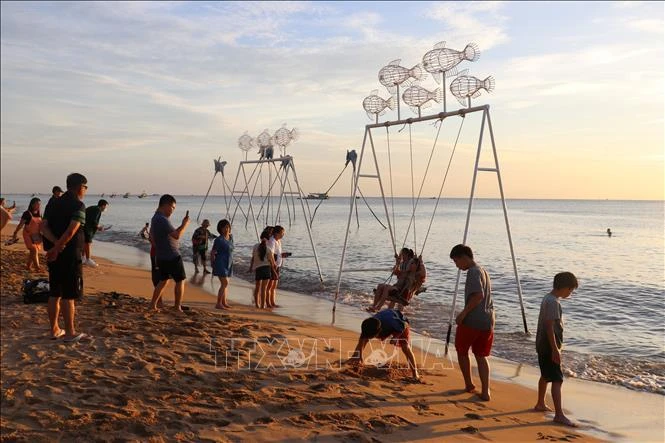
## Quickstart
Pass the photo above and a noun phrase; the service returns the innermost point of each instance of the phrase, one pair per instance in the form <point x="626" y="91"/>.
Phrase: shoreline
<point x="612" y="422"/>
<point x="439" y="410"/>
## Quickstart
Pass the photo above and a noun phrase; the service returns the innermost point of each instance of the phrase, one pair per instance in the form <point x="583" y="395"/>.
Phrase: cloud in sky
<point x="99" y="86"/>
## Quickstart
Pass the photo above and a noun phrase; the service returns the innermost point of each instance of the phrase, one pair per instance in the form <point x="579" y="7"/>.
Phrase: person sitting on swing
<point x="411" y="274"/>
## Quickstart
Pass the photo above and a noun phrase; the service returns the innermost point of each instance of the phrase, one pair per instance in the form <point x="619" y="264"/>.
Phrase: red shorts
<point x="480" y="341"/>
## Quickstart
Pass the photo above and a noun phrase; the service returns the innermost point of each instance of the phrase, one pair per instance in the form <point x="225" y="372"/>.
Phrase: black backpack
<point x="36" y="291"/>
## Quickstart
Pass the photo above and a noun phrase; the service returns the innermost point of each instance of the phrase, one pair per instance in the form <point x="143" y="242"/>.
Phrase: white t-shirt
<point x="257" y="258"/>
<point x="276" y="247"/>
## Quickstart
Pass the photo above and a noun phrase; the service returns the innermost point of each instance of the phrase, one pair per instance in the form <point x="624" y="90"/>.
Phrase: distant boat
<point x="127" y="194"/>
<point x="102" y="195"/>
<point x="113" y="195"/>
<point x="317" y="196"/>
<point x="143" y="194"/>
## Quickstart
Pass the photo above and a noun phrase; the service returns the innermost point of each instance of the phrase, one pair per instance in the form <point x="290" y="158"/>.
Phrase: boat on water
<point x="112" y="195"/>
<point x="317" y="196"/>
<point x="127" y="194"/>
<point x="143" y="194"/>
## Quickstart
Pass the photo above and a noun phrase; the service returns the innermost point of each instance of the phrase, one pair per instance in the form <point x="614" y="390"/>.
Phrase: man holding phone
<point x="166" y="241"/>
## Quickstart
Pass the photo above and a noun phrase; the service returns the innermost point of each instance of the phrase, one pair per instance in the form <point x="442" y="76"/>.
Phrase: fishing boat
<point x="127" y="194"/>
<point x="317" y="196"/>
<point x="143" y="194"/>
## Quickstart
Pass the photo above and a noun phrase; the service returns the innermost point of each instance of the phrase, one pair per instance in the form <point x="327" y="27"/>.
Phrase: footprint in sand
<point x="473" y="416"/>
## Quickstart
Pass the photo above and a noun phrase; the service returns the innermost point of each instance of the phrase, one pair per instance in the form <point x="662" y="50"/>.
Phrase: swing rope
<point x="413" y="202"/>
<point x="390" y="170"/>
<point x="422" y="184"/>
<point x="327" y="191"/>
<point x="445" y="176"/>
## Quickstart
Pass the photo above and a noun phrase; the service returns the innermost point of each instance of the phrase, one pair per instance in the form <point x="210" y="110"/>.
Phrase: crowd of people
<point x="66" y="230"/>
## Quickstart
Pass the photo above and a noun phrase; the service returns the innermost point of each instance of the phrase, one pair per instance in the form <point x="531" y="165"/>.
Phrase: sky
<point x="144" y="95"/>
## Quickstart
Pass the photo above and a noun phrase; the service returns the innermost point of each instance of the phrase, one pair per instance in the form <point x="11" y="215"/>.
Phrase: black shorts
<point x="88" y="235"/>
<point x="200" y="253"/>
<point x="262" y="273"/>
<point x="154" y="271"/>
<point x="549" y="370"/>
<point x="65" y="277"/>
<point x="274" y="273"/>
<point x="174" y="269"/>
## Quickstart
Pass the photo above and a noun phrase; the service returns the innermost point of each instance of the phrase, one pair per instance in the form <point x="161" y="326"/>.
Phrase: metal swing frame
<point x="376" y="174"/>
<point x="283" y="175"/>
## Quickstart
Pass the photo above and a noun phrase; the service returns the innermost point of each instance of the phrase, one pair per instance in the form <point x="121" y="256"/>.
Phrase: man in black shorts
<point x="165" y="239"/>
<point x="92" y="216"/>
<point x="62" y="228"/>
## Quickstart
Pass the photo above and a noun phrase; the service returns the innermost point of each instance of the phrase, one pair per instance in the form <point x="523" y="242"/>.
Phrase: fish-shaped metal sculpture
<point x="283" y="136"/>
<point x="375" y="105"/>
<point x="418" y="97"/>
<point x="265" y="143"/>
<point x="393" y="75"/>
<point x="465" y="87"/>
<point x="245" y="142"/>
<point x="445" y="60"/>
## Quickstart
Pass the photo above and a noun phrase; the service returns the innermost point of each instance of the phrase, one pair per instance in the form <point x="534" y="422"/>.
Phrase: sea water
<point x="613" y="323"/>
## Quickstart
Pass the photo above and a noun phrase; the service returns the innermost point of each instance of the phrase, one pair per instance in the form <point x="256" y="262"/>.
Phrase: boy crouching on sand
<point x="549" y="340"/>
<point x="387" y="323"/>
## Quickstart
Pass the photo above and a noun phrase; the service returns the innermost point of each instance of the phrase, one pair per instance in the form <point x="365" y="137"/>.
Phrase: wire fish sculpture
<point x="392" y="75"/>
<point x="418" y="97"/>
<point x="265" y="143"/>
<point x="283" y="137"/>
<point x="245" y="142"/>
<point x="465" y="87"/>
<point x="375" y="106"/>
<point x="442" y="59"/>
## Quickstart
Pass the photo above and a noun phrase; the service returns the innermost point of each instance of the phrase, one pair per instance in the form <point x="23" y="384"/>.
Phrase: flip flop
<point x="78" y="338"/>
<point x="60" y="333"/>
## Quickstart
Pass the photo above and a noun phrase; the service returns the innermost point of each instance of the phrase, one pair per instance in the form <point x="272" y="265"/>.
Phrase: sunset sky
<point x="142" y="96"/>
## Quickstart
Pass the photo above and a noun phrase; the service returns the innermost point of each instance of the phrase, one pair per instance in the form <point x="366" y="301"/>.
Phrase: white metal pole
<point x="348" y="223"/>
<point x="383" y="194"/>
<point x="466" y="226"/>
<point x="304" y="214"/>
<point x="505" y="216"/>
<point x="250" y="210"/>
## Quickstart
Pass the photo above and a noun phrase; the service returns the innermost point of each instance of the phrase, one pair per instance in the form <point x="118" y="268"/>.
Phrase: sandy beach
<point x="239" y="375"/>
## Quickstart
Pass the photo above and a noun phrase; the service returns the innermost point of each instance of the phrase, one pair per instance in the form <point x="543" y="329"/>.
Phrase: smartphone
<point x="187" y="213"/>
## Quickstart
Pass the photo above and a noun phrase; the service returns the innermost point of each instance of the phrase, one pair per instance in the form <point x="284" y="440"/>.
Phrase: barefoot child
<point x="387" y="323"/>
<point x="475" y="323"/>
<point x="264" y="263"/>
<point x="549" y="340"/>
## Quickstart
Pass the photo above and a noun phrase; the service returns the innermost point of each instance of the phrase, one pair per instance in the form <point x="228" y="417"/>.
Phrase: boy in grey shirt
<point x="549" y="340"/>
<point x="475" y="323"/>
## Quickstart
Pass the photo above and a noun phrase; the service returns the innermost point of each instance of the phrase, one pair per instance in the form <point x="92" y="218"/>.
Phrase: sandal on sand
<point x="78" y="338"/>
<point x="59" y="334"/>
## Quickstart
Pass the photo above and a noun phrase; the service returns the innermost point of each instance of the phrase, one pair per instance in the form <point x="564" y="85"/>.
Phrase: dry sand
<point x="156" y="376"/>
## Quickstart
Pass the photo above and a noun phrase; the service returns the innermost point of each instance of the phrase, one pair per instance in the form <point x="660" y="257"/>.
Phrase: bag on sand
<point x="36" y="291"/>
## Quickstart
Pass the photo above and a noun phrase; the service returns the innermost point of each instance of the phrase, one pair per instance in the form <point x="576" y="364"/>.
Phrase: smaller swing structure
<point x="265" y="190"/>
<point x="371" y="162"/>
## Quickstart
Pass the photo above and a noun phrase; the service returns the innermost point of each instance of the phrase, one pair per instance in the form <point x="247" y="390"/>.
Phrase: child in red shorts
<point x="475" y="323"/>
